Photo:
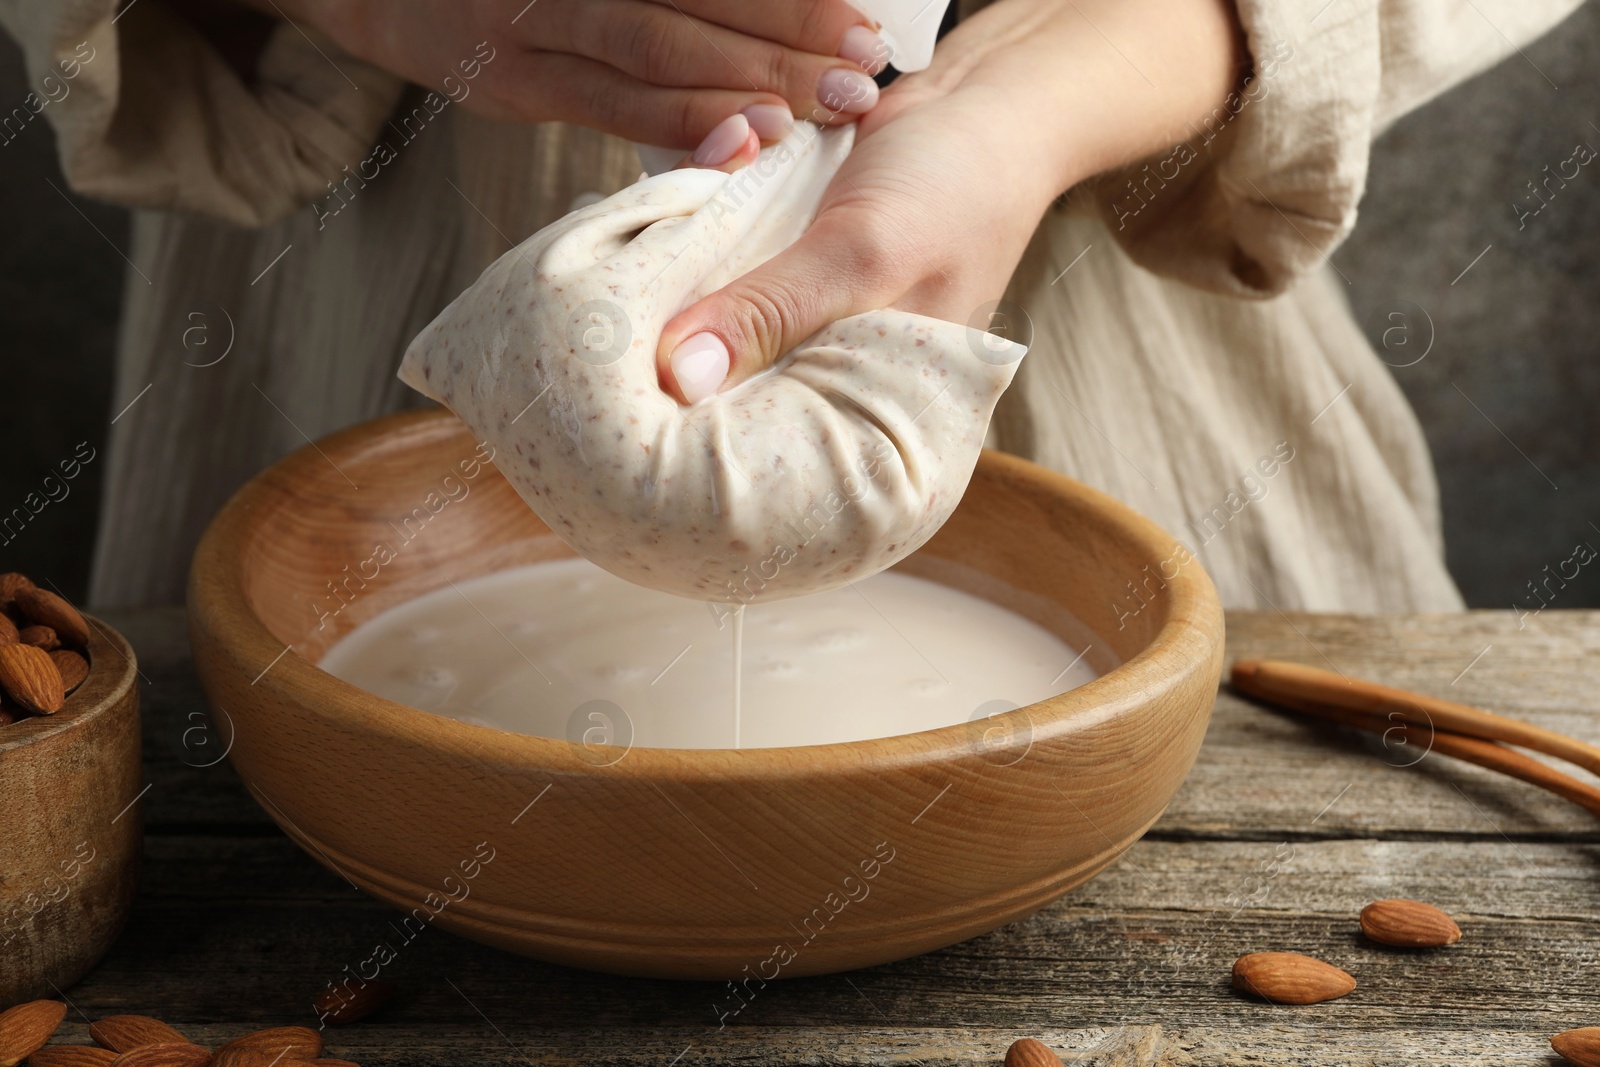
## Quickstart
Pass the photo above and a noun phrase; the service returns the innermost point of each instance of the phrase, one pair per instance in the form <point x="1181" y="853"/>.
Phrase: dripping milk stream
<point x="738" y="671"/>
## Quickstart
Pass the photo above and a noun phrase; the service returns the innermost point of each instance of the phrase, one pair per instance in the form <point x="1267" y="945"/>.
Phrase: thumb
<point x="835" y="270"/>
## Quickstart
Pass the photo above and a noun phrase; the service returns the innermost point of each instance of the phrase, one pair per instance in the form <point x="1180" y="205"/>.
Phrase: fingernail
<point x="723" y="142"/>
<point x="865" y="49"/>
<point x="700" y="366"/>
<point x="772" y="122"/>
<point x="846" y="91"/>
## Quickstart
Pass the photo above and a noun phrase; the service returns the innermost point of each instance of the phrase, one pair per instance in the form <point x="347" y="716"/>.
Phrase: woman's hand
<point x="663" y="72"/>
<point x="954" y="167"/>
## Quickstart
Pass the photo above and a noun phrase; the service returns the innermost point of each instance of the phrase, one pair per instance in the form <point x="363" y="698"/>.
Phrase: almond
<point x="1026" y="1052"/>
<point x="47" y="609"/>
<point x="9" y="585"/>
<point x="29" y="678"/>
<point x="72" y="1056"/>
<point x="244" y="1057"/>
<point x="1580" y="1046"/>
<point x="344" y="1004"/>
<point x="1290" y="978"/>
<point x="165" y="1054"/>
<point x="8" y="631"/>
<point x="25" y="1028"/>
<point x="39" y="637"/>
<point x="124" y="1033"/>
<point x="290" y="1042"/>
<point x="252" y="1057"/>
<point x="1409" y="924"/>
<point x="73" y="667"/>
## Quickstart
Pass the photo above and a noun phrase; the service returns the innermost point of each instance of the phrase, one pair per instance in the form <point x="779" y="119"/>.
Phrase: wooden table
<point x="1282" y="832"/>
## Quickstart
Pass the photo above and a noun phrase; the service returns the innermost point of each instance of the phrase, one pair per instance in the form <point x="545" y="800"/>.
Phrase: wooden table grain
<point x="1282" y="832"/>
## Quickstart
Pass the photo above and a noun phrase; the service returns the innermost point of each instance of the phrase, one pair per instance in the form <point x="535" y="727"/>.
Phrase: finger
<point x="733" y="144"/>
<point x="572" y="88"/>
<point x="842" y="266"/>
<point x="668" y="48"/>
<point x="815" y="26"/>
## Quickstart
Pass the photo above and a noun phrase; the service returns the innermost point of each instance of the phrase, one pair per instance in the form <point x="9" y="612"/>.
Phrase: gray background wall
<point x="60" y="288"/>
<point x="1506" y="392"/>
<point x="1519" y="334"/>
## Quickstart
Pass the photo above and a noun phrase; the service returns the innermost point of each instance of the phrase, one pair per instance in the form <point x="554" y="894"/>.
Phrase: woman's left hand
<point x="954" y="168"/>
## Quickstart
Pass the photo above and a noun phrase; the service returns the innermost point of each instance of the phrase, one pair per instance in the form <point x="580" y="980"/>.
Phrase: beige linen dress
<point x="1192" y="352"/>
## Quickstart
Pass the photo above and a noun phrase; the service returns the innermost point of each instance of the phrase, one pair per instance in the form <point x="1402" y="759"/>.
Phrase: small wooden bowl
<point x="69" y="850"/>
<point x="710" y="864"/>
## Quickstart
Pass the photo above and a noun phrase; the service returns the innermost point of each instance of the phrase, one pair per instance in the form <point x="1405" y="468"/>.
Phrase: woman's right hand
<point x="662" y="72"/>
<point x="951" y="172"/>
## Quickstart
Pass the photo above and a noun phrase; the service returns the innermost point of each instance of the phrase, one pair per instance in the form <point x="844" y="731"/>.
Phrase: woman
<point x="1191" y="351"/>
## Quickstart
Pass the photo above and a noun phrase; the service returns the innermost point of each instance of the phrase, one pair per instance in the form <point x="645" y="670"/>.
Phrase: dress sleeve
<point x="1267" y="186"/>
<point x="148" y="113"/>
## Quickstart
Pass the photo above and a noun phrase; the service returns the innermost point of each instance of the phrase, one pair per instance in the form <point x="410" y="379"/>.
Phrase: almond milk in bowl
<point x="691" y="862"/>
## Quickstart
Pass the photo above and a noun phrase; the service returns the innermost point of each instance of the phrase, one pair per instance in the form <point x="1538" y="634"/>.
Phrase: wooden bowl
<point x="710" y="864"/>
<point x="69" y="851"/>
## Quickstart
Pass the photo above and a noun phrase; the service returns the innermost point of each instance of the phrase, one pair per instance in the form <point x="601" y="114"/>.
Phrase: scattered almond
<point x="47" y="609"/>
<point x="10" y="583"/>
<point x="165" y="1054"/>
<point x="39" y="637"/>
<point x="1290" y="978"/>
<point x="73" y="667"/>
<point x="25" y="1028"/>
<point x="38" y="619"/>
<point x="72" y="1056"/>
<point x="252" y="1058"/>
<point x="143" y="1041"/>
<point x="1026" y="1052"/>
<point x="29" y="678"/>
<point x="1581" y="1046"/>
<point x="343" y="1004"/>
<point x="1409" y="924"/>
<point x="290" y="1042"/>
<point x="124" y="1033"/>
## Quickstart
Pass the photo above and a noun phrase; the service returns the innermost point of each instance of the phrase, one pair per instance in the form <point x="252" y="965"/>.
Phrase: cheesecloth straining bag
<point x="832" y="465"/>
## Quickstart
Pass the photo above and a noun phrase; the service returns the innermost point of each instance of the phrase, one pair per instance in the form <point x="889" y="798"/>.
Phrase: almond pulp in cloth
<point x="832" y="465"/>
